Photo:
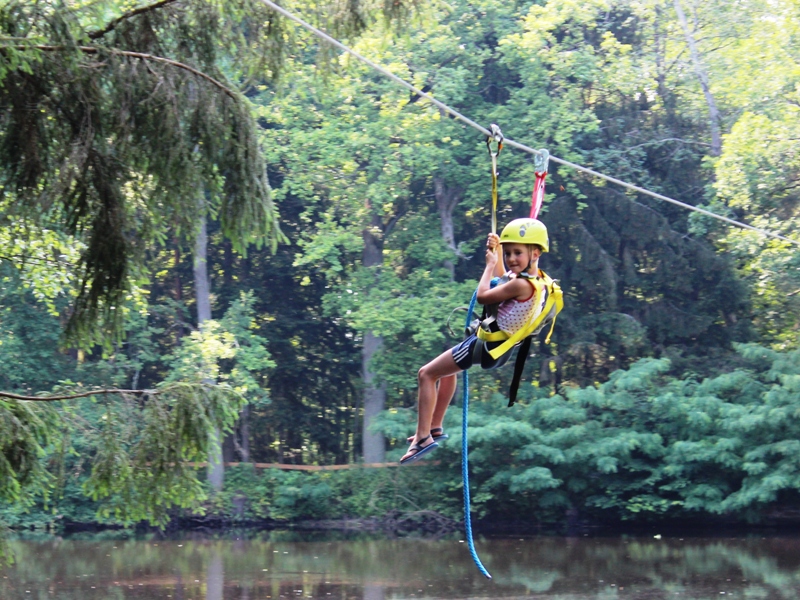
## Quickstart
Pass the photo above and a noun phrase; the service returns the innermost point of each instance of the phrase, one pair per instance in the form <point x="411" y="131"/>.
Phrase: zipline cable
<point x="451" y="111"/>
<point x="441" y="105"/>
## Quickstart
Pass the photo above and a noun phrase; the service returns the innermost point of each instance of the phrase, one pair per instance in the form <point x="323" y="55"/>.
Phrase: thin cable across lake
<point x="519" y="146"/>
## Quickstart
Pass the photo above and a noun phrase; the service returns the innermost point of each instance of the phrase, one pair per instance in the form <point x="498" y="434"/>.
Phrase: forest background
<point x="263" y="241"/>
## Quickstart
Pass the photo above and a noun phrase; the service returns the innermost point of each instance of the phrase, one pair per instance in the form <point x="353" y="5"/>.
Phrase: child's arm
<point x="516" y="288"/>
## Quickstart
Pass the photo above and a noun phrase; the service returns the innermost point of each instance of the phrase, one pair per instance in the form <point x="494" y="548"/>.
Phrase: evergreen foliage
<point x="130" y="452"/>
<point x="641" y="446"/>
<point x="113" y="140"/>
<point x="25" y="433"/>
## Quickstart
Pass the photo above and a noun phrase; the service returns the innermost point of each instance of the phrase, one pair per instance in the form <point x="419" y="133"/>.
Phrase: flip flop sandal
<point x="437" y="433"/>
<point x="419" y="451"/>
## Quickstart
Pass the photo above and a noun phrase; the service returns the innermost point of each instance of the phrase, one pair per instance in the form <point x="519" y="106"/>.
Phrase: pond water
<point x="275" y="565"/>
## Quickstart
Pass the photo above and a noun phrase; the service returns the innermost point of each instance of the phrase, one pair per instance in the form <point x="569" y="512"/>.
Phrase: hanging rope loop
<point x="465" y="454"/>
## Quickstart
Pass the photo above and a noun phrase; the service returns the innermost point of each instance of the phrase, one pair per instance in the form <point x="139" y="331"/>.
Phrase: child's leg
<point x="444" y="395"/>
<point x="442" y="366"/>
<point x="445" y="388"/>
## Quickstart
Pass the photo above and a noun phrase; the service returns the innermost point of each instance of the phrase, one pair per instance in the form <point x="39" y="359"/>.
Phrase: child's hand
<point x="492" y="242"/>
<point x="491" y="257"/>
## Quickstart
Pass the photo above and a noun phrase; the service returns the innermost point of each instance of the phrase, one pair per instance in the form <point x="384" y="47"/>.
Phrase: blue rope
<point x="465" y="455"/>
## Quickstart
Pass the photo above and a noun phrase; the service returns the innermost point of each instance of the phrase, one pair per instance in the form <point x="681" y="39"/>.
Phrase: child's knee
<point x="423" y="374"/>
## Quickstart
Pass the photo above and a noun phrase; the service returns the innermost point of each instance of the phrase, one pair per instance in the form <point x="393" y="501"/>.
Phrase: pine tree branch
<point x="653" y="142"/>
<point x="93" y="35"/>
<point x="161" y="390"/>
<point x="140" y="56"/>
<point x="76" y="395"/>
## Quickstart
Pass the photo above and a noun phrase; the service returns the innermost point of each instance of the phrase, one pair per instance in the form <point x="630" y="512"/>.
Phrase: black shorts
<point x="464" y="354"/>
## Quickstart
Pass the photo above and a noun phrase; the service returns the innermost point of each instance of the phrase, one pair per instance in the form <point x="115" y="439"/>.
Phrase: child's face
<point x="518" y="256"/>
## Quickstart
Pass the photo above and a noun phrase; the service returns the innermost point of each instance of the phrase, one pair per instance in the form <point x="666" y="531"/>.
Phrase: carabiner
<point x="541" y="161"/>
<point x="496" y="136"/>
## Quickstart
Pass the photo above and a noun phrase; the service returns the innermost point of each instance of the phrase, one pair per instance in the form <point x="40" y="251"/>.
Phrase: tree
<point x="120" y="135"/>
<point x="365" y="178"/>
<point x="112" y="121"/>
<point x="202" y="286"/>
<point x="702" y="77"/>
<point x="386" y="203"/>
<point x="643" y="446"/>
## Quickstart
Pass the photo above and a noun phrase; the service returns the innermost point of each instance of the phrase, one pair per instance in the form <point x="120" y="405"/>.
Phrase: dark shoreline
<point x="430" y="523"/>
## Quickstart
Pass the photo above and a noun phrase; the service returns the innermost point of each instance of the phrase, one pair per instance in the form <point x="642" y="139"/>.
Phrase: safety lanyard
<point x="540" y="165"/>
<point x="497" y="137"/>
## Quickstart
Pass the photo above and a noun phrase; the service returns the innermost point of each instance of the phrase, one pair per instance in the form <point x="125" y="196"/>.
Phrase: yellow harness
<point x="549" y="296"/>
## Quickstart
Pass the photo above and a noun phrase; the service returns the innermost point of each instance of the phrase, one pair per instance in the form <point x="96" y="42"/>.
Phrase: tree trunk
<point x="202" y="287"/>
<point x="227" y="266"/>
<point x="177" y="284"/>
<point x="702" y="76"/>
<point x="229" y="451"/>
<point x="660" y="51"/>
<point x="244" y="431"/>
<point x="446" y="201"/>
<point x="236" y="447"/>
<point x="373" y="444"/>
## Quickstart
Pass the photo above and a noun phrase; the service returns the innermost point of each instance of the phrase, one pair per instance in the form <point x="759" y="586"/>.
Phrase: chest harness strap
<point x="548" y="295"/>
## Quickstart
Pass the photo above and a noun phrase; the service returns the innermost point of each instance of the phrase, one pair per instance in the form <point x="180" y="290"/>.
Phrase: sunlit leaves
<point x="46" y="260"/>
<point x="759" y="174"/>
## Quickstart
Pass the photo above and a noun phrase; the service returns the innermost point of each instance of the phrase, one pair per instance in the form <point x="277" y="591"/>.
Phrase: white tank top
<point x="513" y="314"/>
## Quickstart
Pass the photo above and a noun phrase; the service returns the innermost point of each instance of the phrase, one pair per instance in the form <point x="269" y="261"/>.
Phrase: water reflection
<point x="215" y="575"/>
<point x="284" y="565"/>
<point x="374" y="591"/>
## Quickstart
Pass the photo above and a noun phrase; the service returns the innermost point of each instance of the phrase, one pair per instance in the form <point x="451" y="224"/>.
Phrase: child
<point x="522" y="241"/>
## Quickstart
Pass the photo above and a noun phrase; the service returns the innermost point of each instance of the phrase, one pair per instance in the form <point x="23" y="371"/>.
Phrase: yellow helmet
<point x="525" y="231"/>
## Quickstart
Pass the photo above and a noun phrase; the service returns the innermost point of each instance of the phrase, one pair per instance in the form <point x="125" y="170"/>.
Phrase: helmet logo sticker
<point x="522" y="230"/>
